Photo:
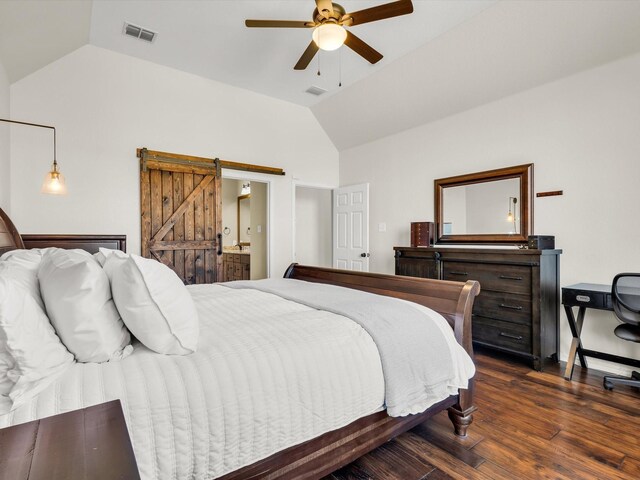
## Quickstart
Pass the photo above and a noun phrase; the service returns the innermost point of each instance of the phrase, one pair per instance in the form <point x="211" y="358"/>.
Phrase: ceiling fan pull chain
<point x="319" y="52"/>
<point x="340" y="67"/>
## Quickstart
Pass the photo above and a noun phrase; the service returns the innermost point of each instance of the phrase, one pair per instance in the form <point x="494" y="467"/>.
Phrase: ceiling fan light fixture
<point x="329" y="36"/>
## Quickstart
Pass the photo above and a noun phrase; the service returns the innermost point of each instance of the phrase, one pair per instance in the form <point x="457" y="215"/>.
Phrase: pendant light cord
<point x="41" y="126"/>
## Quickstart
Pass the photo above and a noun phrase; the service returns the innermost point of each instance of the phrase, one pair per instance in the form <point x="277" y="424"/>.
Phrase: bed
<point x="324" y="448"/>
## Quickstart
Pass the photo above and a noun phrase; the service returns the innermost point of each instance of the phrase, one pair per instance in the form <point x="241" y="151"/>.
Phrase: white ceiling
<point x="209" y="38"/>
<point x="446" y="57"/>
<point x="509" y="48"/>
<point x="34" y="34"/>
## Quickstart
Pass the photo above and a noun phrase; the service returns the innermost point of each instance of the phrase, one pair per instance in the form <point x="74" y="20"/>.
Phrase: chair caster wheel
<point x="607" y="385"/>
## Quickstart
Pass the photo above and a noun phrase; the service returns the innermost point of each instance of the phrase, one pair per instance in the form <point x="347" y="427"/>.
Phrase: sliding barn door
<point x="181" y="214"/>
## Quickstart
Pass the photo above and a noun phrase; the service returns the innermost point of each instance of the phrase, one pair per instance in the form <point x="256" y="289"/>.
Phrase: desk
<point x="583" y="296"/>
<point x="88" y="444"/>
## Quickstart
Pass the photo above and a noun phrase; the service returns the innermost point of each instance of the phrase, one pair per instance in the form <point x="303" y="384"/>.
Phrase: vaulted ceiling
<point x="446" y="57"/>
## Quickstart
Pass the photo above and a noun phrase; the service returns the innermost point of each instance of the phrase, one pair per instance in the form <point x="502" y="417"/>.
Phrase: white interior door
<point x="351" y="227"/>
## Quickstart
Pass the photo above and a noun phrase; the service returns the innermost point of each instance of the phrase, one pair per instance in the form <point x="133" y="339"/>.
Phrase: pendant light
<point x="54" y="182"/>
<point x="511" y="216"/>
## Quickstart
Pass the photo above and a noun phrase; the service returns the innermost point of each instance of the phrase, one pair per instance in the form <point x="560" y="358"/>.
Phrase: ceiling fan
<point x="329" y="20"/>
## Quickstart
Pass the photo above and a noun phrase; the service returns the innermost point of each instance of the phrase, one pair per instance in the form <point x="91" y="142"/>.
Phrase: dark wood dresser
<point x="518" y="308"/>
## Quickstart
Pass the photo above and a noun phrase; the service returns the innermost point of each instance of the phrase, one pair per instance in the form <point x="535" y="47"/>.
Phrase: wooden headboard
<point x="90" y="243"/>
<point x="9" y="236"/>
<point x="10" y="239"/>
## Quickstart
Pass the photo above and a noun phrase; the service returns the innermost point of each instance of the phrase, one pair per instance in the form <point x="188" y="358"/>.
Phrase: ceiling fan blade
<point x="388" y="10"/>
<point x="325" y="7"/>
<point x="361" y="48"/>
<point x="278" y="24"/>
<point x="307" y="56"/>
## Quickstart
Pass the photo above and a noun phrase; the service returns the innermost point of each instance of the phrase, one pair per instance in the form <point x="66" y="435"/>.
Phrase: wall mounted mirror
<point x="244" y="219"/>
<point x="495" y="206"/>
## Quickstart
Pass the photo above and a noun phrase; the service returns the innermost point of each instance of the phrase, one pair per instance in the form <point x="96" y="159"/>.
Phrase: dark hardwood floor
<point x="529" y="425"/>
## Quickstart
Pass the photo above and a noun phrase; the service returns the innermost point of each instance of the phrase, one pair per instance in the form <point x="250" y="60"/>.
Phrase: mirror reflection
<point x="244" y="219"/>
<point x="482" y="208"/>
<point x="494" y="206"/>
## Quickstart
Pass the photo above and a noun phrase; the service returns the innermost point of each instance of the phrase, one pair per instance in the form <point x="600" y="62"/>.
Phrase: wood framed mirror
<point x="244" y="220"/>
<point x="495" y="206"/>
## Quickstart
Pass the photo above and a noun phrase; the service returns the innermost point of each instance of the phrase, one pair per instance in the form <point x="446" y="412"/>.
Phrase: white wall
<point x="259" y="221"/>
<point x="313" y="226"/>
<point x="583" y="135"/>
<point x="4" y="141"/>
<point x="106" y="104"/>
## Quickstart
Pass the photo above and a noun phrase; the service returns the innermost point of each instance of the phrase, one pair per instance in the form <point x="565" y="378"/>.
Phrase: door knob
<point x="365" y="255"/>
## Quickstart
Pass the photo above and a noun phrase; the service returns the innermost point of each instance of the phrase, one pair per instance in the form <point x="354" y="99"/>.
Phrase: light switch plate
<point x="382" y="227"/>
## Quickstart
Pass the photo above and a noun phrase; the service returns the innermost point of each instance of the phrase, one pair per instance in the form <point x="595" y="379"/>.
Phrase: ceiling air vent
<point x="139" y="32"/>
<point x="313" y="90"/>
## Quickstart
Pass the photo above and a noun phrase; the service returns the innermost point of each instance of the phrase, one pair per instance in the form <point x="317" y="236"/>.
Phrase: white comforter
<point x="268" y="374"/>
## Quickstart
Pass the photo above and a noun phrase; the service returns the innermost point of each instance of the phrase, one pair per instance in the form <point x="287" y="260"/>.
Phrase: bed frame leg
<point x="461" y="419"/>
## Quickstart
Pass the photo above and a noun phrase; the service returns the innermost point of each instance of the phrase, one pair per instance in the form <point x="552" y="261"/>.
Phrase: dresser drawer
<point x="416" y="267"/>
<point x="237" y="271"/>
<point x="591" y="299"/>
<point x="502" y="334"/>
<point x="504" y="306"/>
<point x="497" y="277"/>
<point x="246" y="272"/>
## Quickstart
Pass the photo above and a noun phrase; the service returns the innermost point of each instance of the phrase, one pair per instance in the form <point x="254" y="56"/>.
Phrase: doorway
<point x="313" y="229"/>
<point x="244" y="229"/>
<point x="351" y="227"/>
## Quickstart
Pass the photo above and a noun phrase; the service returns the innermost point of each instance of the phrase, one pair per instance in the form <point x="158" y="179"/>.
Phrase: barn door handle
<point x="219" y="244"/>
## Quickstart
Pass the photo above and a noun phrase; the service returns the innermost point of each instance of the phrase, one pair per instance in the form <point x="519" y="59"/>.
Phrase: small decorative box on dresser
<point x="518" y="308"/>
<point x="236" y="266"/>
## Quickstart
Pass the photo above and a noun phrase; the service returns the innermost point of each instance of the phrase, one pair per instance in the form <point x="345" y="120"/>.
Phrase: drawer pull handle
<point x="514" y="337"/>
<point x="507" y="277"/>
<point x="464" y="274"/>
<point x="511" y="307"/>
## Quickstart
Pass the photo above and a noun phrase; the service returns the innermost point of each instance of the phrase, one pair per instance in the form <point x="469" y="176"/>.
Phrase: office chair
<point x="625" y="296"/>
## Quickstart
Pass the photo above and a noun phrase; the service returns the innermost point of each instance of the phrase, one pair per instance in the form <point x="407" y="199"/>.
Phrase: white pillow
<point x="77" y="297"/>
<point x="37" y="353"/>
<point x="6" y="364"/>
<point x="23" y="265"/>
<point x="101" y="255"/>
<point x="6" y="384"/>
<point x="154" y="303"/>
